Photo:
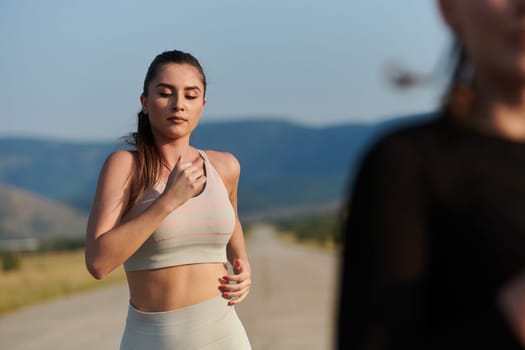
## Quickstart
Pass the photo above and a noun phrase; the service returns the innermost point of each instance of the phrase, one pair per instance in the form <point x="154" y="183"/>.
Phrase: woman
<point x="434" y="255"/>
<point x="168" y="212"/>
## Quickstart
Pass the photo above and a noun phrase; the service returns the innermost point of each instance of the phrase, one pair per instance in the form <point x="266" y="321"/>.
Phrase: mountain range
<point x="283" y="165"/>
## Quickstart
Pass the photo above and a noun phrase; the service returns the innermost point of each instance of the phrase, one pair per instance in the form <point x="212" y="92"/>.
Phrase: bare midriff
<point x="174" y="287"/>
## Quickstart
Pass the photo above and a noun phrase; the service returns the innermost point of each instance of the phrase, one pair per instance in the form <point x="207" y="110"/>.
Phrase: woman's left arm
<point x="229" y="168"/>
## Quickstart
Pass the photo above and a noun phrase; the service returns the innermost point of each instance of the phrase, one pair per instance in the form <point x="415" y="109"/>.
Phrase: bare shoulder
<point x="120" y="164"/>
<point x="226" y="165"/>
<point x="122" y="159"/>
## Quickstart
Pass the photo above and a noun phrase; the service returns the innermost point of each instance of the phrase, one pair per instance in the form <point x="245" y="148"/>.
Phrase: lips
<point x="177" y="119"/>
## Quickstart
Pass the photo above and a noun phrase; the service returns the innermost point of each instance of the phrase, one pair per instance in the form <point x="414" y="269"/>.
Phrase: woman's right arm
<point x="109" y="243"/>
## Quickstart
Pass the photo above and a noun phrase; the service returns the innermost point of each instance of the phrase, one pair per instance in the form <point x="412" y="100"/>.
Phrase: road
<point x="291" y="305"/>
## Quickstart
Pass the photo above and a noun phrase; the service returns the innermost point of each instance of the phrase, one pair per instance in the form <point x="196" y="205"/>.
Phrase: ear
<point x="144" y="103"/>
<point x="448" y="14"/>
<point x="203" y="102"/>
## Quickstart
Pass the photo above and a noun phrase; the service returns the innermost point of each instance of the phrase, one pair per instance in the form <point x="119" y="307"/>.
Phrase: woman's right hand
<point x="185" y="181"/>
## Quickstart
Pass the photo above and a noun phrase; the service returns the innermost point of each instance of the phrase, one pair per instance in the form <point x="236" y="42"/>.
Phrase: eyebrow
<point x="173" y="87"/>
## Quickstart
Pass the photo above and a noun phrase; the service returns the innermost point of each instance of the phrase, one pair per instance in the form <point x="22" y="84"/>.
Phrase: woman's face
<point x="175" y="101"/>
<point x="493" y="33"/>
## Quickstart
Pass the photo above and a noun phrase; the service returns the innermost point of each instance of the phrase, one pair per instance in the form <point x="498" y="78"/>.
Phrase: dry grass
<point x="46" y="276"/>
<point x="291" y="238"/>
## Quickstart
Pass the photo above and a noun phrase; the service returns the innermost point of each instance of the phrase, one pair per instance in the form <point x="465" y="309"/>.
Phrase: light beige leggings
<point x="209" y="325"/>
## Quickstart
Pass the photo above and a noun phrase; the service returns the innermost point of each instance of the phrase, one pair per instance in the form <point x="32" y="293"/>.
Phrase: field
<point x="322" y="230"/>
<point x="45" y="276"/>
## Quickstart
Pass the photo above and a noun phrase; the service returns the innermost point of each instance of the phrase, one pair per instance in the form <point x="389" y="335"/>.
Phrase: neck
<point x="500" y="109"/>
<point x="173" y="150"/>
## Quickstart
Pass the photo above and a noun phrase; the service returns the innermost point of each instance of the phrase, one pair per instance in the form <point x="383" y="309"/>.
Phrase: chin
<point x="173" y="134"/>
<point x="511" y="71"/>
<point x="177" y="136"/>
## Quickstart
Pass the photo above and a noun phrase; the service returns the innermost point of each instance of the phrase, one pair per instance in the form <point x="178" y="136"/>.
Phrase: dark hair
<point x="458" y="96"/>
<point x="149" y="159"/>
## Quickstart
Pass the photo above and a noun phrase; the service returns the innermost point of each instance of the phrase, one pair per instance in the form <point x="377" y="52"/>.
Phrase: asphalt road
<point x="291" y="306"/>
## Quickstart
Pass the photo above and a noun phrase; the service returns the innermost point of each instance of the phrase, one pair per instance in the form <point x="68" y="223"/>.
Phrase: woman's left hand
<point x="236" y="287"/>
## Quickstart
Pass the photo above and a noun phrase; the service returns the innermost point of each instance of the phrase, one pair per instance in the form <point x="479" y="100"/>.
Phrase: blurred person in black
<point x="434" y="254"/>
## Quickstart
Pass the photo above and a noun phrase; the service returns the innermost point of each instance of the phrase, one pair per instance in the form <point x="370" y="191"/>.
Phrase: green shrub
<point x="11" y="260"/>
<point x="62" y="244"/>
<point x="323" y="228"/>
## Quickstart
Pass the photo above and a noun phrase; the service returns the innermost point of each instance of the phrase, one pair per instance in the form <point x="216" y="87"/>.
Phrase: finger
<point x="226" y="279"/>
<point x="199" y="163"/>
<point x="179" y="162"/>
<point x="227" y="288"/>
<point x="193" y="170"/>
<point x="236" y="278"/>
<point x="198" y="183"/>
<point x="238" y="300"/>
<point x="227" y="295"/>
<point x="182" y="166"/>
<point x="245" y="285"/>
<point x="235" y="295"/>
<point x="197" y="167"/>
<point x="194" y="175"/>
<point x="234" y="288"/>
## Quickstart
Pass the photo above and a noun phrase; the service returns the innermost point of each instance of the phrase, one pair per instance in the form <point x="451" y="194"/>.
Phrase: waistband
<point x="210" y="309"/>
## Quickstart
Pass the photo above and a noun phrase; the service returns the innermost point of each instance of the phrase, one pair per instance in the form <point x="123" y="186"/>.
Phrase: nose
<point x="177" y="103"/>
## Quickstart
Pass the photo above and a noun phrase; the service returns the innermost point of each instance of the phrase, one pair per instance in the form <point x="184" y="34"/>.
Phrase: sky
<point x="74" y="70"/>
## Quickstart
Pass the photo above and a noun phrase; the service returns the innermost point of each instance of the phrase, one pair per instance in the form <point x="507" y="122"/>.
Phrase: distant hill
<point x="64" y="171"/>
<point x="283" y="164"/>
<point x="23" y="215"/>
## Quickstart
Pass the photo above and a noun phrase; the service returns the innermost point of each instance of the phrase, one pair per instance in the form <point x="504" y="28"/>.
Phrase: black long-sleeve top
<point x="436" y="226"/>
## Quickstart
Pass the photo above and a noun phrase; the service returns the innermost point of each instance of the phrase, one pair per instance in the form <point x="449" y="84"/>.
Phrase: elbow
<point x="97" y="274"/>
<point x="96" y="269"/>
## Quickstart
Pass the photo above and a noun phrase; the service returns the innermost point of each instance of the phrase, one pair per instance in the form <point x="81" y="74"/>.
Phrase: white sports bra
<point x="196" y="232"/>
